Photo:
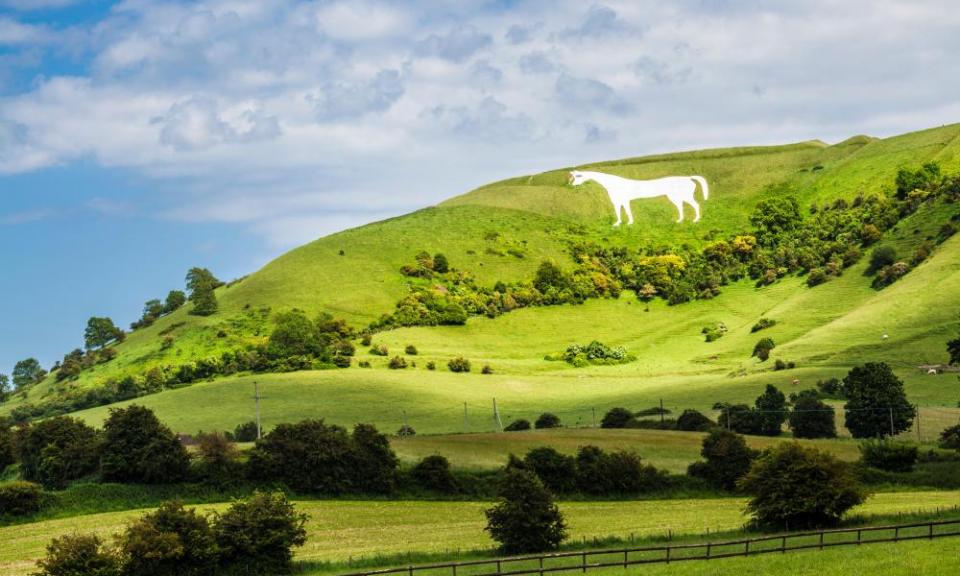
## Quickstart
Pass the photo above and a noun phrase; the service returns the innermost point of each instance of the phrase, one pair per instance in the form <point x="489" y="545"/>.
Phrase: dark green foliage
<point x="487" y="369"/>
<point x="811" y="417"/>
<point x="56" y="451"/>
<point x="171" y="541"/>
<point x="694" y="421"/>
<point x="175" y="299"/>
<point x="547" y="420"/>
<point x="216" y="463"/>
<point x="431" y="365"/>
<point x="557" y="471"/>
<point x="21" y="498"/>
<point x="953" y="348"/>
<point x="397" y="363"/>
<point x="100" y="332"/>
<point x="881" y="257"/>
<point x="525" y="518"/>
<point x="8" y="453"/>
<point x="832" y="387"/>
<point x="615" y="473"/>
<point x="596" y="353"/>
<point x="256" y="536"/>
<point x="459" y="364"/>
<point x="726" y="459"/>
<point x="138" y="448"/>
<point x="617" y="418"/>
<point x="763" y="324"/>
<point x="440" y="264"/>
<point x="4" y="388"/>
<point x="739" y="418"/>
<point x="775" y="217"/>
<point x="27" y="372"/>
<point x="433" y="473"/>
<point x="771" y="407"/>
<point x="950" y="438"/>
<point x="890" y="274"/>
<point x="876" y="405"/>
<point x="78" y="555"/>
<point x="405" y="431"/>
<point x="517" y="425"/>
<point x="311" y="456"/>
<point x="379" y="350"/>
<point x="796" y="487"/>
<point x="922" y="179"/>
<point x="201" y="284"/>
<point x="550" y="276"/>
<point x="762" y="348"/>
<point x="411" y="350"/>
<point x="889" y="456"/>
<point x="294" y="335"/>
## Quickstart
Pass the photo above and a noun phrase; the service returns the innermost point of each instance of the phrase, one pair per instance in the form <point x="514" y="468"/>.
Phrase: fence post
<point x="708" y="549"/>
<point x="454" y="569"/>
<point x="896" y="534"/>
<point x="410" y="569"/>
<point x="668" y="554"/>
<point x="625" y="552"/>
<point x="858" y="536"/>
<point x="584" y="564"/>
<point x="541" y="565"/>
<point x="746" y="547"/>
<point x="930" y="533"/>
<point x="821" y="540"/>
<point x="499" y="570"/>
<point x="783" y="545"/>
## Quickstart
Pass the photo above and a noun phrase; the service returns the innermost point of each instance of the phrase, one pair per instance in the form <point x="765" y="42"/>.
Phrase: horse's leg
<point x="629" y="213"/>
<point x="696" y="209"/>
<point x="679" y="204"/>
<point x="616" y="208"/>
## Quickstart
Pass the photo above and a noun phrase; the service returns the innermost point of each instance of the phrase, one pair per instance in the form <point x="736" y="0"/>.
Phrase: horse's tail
<point x="703" y="185"/>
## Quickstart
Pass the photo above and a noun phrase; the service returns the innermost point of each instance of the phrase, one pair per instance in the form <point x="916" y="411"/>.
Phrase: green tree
<point x="175" y="299"/>
<point x="293" y="335"/>
<point x="4" y="387"/>
<point x="374" y="462"/>
<point x="797" y="487"/>
<point x="100" y="332"/>
<point x="762" y="349"/>
<point x="27" y="372"/>
<point x="876" y="405"/>
<point x="771" y="409"/>
<point x="525" y="518"/>
<point x="726" y="459"/>
<point x="953" y="348"/>
<point x="549" y="275"/>
<point x="811" y="417"/>
<point x="557" y="471"/>
<point x="774" y="217"/>
<point x="201" y="284"/>
<point x="433" y="473"/>
<point x="441" y="264"/>
<point x="57" y="451"/>
<point x="171" y="541"/>
<point x="78" y="555"/>
<point x="256" y="536"/>
<point x="8" y="454"/>
<point x="138" y="448"/>
<point x="922" y="179"/>
<point x="881" y="257"/>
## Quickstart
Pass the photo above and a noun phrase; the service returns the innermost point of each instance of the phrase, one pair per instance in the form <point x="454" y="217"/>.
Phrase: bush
<point x="557" y="471"/>
<point x="881" y="257"/>
<point x="617" y="418"/>
<point x="525" y="518"/>
<point x="763" y="324"/>
<point x="831" y="387"/>
<point x="517" y="425"/>
<point x="397" y="363"/>
<point x="7" y="452"/>
<point x="693" y="421"/>
<point x="366" y="339"/>
<point x="771" y="410"/>
<point x="137" y="448"/>
<point x="380" y="350"/>
<point x="486" y="369"/>
<point x="256" y="536"/>
<point x="374" y="462"/>
<point x="171" y="541"/>
<point x="431" y="365"/>
<point x="617" y="473"/>
<point x="739" y="418"/>
<point x="547" y="420"/>
<point x="726" y="457"/>
<point x="411" y="350"/>
<point x="57" y="451"/>
<point x="889" y="456"/>
<point x="78" y="555"/>
<point x="246" y="432"/>
<point x="21" y="499"/>
<point x="762" y="349"/>
<point x="433" y="473"/>
<point x="812" y="418"/>
<point x="405" y="431"/>
<point x="217" y="462"/>
<point x="796" y="487"/>
<point x="459" y="364"/>
<point x="876" y="405"/>
<point x="342" y="361"/>
<point x="950" y="438"/>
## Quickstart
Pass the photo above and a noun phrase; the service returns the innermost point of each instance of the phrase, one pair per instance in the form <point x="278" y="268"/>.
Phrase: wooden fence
<point x="623" y="557"/>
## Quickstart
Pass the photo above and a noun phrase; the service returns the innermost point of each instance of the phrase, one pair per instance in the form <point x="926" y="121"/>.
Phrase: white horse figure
<point x="679" y="189"/>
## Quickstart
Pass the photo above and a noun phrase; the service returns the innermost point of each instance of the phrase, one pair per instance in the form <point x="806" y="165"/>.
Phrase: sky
<point x="139" y="138"/>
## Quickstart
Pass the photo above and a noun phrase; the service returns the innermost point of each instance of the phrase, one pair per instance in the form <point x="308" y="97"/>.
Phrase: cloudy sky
<point x="141" y="137"/>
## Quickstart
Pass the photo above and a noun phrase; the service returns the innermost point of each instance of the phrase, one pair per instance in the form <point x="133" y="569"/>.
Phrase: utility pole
<point x="496" y="416"/>
<point x="661" y="410"/>
<point x="919" y="437"/>
<point x="466" y="422"/>
<point x="256" y="391"/>
<point x="891" y="421"/>
<point x="594" y="411"/>
<point x="405" y="423"/>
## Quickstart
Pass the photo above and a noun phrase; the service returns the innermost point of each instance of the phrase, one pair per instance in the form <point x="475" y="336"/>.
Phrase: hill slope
<point x="502" y="231"/>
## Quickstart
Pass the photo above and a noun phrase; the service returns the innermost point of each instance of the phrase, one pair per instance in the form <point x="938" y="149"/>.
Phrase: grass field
<point x="344" y="530"/>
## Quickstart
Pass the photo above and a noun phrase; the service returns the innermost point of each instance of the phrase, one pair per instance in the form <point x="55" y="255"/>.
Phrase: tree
<point x="921" y="179"/>
<point x="797" y="487"/>
<point x="433" y="473"/>
<point x="374" y="462"/>
<point x="549" y="275"/>
<point x="774" y="217"/>
<point x="727" y="458"/>
<point x="762" y="349"/>
<point x="771" y="409"/>
<point x="27" y="372"/>
<point x="693" y="421"/>
<point x="525" y="518"/>
<point x="4" y="387"/>
<point x="217" y="462"/>
<point x="256" y="536"/>
<point x="617" y="418"/>
<point x="557" y="471"/>
<point x="8" y="454"/>
<point x="56" y="451"/>
<point x="547" y="420"/>
<point x="175" y="299"/>
<point x="138" y="448"/>
<point x="293" y="335"/>
<point x="950" y="438"/>
<point x="78" y="555"/>
<point x="100" y="332"/>
<point x="171" y="541"/>
<point x="881" y="257"/>
<point x="201" y="284"/>
<point x="441" y="264"/>
<point x="876" y="405"/>
<point x="811" y="417"/>
<point x="953" y="348"/>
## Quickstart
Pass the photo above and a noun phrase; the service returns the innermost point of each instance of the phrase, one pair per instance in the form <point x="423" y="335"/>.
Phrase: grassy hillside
<point x="502" y="231"/>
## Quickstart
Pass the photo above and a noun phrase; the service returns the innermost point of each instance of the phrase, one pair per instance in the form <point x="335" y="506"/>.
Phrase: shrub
<point x="831" y="387"/>
<point x="739" y="418"/>
<point x="380" y="350"/>
<point x="876" y="405"/>
<point x="431" y="365"/>
<point x="411" y="350"/>
<point x="405" y="431"/>
<point x="693" y="421"/>
<point x="397" y="363"/>
<point x="726" y="459"/>
<point x="433" y="473"/>
<point x="557" y="471"/>
<point x="889" y="456"/>
<point x="596" y="353"/>
<point x="762" y="349"/>
<point x="517" y="425"/>
<point x="486" y="369"/>
<point x="374" y="463"/>
<point x="366" y="339"/>
<point x="256" y="536"/>
<point x="21" y="498"/>
<point x="617" y="473"/>
<point x="617" y="418"/>
<point x="364" y="364"/>
<point x="459" y="364"/>
<point x="950" y="438"/>
<point x="547" y="420"/>
<point x="167" y="542"/>
<point x="797" y="487"/>
<point x="7" y="451"/>
<point x="78" y="555"/>
<point x="56" y="451"/>
<point x="217" y="462"/>
<point x="771" y="410"/>
<point x="811" y="417"/>
<point x="137" y="448"/>
<point x="246" y="432"/>
<point x="342" y="361"/>
<point x="525" y="518"/>
<point x="881" y="257"/>
<point x="816" y="277"/>
<point x="763" y="324"/>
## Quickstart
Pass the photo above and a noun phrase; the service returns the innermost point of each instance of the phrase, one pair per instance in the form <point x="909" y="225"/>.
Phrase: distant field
<point x="341" y="530"/>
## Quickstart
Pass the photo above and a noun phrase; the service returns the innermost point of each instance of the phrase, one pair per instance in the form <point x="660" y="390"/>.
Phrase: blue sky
<point x="142" y="137"/>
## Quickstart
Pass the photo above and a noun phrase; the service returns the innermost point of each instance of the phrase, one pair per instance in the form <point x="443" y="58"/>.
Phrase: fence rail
<point x="623" y="557"/>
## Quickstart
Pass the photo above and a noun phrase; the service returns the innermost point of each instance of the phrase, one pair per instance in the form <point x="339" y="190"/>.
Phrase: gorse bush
<point x="21" y="498"/>
<point x="763" y="324"/>
<point x="596" y="353"/>
<point x="762" y="349"/>
<point x="397" y="363"/>
<point x="459" y="364"/>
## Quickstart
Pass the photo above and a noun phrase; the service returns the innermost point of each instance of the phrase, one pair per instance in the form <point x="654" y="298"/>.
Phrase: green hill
<point x="501" y="232"/>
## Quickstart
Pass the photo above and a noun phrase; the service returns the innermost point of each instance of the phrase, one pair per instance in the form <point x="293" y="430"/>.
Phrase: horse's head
<point x="577" y="178"/>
